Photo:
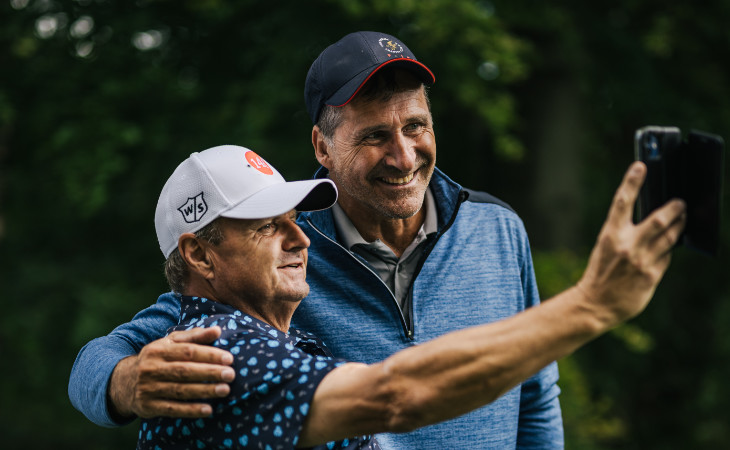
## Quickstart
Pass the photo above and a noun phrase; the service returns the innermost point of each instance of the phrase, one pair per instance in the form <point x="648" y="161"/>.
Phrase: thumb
<point x="624" y="200"/>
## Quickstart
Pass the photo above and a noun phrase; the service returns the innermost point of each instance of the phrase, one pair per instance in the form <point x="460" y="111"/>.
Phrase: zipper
<point x="411" y="331"/>
<point x="404" y="324"/>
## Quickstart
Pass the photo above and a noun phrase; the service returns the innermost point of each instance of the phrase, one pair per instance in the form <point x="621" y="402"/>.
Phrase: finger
<point x="664" y="224"/>
<point x="622" y="207"/>
<point x="658" y="268"/>
<point x="197" y="335"/>
<point x="161" y="390"/>
<point x="183" y="351"/>
<point x="187" y="372"/>
<point x="170" y="408"/>
<point x="663" y="262"/>
<point x="666" y="241"/>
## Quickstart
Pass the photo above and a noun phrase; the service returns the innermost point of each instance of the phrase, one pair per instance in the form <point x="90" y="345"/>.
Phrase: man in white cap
<point x="406" y="256"/>
<point x="226" y="222"/>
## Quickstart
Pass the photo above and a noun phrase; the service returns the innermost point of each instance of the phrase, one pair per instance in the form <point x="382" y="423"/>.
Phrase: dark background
<point x="535" y="102"/>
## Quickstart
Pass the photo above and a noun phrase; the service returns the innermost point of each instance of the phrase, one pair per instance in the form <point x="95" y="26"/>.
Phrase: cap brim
<point x="348" y="91"/>
<point x="271" y="201"/>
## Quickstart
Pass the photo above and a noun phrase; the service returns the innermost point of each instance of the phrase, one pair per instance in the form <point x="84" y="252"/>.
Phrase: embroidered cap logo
<point x="194" y="209"/>
<point x="390" y="46"/>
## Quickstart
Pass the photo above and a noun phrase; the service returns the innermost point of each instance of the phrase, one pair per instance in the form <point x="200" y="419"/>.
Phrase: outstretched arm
<point x="461" y="371"/>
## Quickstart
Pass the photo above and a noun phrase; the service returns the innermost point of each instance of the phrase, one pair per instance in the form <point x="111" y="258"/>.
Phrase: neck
<point x="397" y="234"/>
<point x="279" y="318"/>
<point x="277" y="314"/>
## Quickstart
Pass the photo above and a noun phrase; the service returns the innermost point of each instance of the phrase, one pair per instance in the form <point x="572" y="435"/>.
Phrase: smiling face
<point x="261" y="263"/>
<point x="382" y="155"/>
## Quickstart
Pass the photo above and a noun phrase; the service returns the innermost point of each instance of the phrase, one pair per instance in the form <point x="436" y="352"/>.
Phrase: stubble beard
<point x="398" y="205"/>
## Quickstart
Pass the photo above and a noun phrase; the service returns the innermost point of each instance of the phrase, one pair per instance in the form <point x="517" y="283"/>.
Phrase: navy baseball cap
<point x="344" y="67"/>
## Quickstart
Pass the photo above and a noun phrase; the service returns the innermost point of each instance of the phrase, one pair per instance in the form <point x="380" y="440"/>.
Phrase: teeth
<point x="403" y="180"/>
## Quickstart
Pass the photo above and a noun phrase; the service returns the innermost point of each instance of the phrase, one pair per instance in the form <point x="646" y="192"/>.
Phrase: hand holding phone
<point x="690" y="169"/>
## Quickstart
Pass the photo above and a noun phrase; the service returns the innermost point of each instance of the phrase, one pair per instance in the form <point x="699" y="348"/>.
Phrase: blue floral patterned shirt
<point x="276" y="376"/>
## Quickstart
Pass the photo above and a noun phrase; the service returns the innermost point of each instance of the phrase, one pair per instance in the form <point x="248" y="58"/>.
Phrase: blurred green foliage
<point x="535" y="102"/>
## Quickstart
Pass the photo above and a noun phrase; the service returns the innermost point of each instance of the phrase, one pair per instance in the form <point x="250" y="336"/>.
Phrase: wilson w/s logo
<point x="194" y="209"/>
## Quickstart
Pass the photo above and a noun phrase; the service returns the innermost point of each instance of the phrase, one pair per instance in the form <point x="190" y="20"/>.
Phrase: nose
<point x="294" y="239"/>
<point x="401" y="153"/>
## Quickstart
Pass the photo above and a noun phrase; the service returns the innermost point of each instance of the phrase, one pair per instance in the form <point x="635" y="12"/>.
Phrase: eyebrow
<point x="251" y="224"/>
<point x="416" y="118"/>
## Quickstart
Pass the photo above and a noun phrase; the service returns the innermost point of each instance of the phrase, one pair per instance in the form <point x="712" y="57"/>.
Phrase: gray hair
<point x="381" y="87"/>
<point x="176" y="269"/>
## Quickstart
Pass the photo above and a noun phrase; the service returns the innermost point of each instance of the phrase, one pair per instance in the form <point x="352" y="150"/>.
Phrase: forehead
<point x="365" y="112"/>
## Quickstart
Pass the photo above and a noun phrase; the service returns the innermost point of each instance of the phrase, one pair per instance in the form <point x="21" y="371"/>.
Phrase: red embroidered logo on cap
<point x="258" y="163"/>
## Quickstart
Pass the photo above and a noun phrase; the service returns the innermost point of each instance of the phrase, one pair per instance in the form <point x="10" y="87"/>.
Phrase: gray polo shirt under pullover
<point x="396" y="273"/>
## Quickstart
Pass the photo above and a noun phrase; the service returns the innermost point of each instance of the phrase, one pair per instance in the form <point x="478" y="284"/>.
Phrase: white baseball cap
<point x="230" y="181"/>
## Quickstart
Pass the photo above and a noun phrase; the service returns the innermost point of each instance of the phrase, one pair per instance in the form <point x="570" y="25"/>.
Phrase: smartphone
<point x="690" y="169"/>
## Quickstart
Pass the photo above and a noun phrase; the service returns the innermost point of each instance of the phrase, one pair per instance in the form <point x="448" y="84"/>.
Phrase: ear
<point x="195" y="254"/>
<point x="321" y="150"/>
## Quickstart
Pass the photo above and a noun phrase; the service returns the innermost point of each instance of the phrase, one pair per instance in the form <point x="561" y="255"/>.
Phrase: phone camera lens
<point x="651" y="146"/>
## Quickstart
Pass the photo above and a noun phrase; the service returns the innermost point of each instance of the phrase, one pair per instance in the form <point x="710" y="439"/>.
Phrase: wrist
<point x="119" y="391"/>
<point x="599" y="317"/>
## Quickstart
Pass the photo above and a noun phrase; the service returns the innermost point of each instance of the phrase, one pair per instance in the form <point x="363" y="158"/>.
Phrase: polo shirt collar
<point x="349" y="236"/>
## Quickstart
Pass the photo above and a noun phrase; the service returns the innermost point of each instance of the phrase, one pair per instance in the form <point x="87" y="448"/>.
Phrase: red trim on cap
<point x="380" y="67"/>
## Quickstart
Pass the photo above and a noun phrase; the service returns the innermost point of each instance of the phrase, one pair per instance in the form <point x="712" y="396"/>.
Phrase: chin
<point x="298" y="295"/>
<point x="402" y="209"/>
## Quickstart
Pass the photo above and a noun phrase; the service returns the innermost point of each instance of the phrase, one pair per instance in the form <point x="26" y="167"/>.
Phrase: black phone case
<point x="690" y="169"/>
<point x="703" y="165"/>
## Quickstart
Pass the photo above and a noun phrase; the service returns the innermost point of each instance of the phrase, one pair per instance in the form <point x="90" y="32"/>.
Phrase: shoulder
<point x="483" y="207"/>
<point x="486" y="198"/>
<point x="485" y="218"/>
<point x="450" y="195"/>
<point x="201" y="312"/>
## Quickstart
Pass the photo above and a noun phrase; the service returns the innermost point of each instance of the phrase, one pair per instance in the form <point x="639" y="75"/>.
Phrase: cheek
<point x="345" y="159"/>
<point x="427" y="143"/>
<point x="345" y="165"/>
<point x="256" y="268"/>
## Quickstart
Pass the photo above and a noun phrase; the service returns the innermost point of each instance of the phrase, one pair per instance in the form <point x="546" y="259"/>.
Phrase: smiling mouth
<point x="399" y="181"/>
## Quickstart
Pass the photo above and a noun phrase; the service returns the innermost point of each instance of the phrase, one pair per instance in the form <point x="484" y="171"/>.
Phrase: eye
<point x="374" y="137"/>
<point x="413" y="127"/>
<point x="267" y="229"/>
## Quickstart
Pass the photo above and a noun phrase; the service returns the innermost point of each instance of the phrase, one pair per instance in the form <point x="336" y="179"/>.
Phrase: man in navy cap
<point x="405" y="256"/>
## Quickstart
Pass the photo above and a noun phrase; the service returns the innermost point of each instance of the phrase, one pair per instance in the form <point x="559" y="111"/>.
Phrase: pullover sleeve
<point x="540" y="423"/>
<point x="92" y="370"/>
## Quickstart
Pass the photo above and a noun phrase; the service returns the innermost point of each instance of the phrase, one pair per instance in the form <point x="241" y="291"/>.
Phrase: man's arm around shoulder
<point x="111" y="384"/>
